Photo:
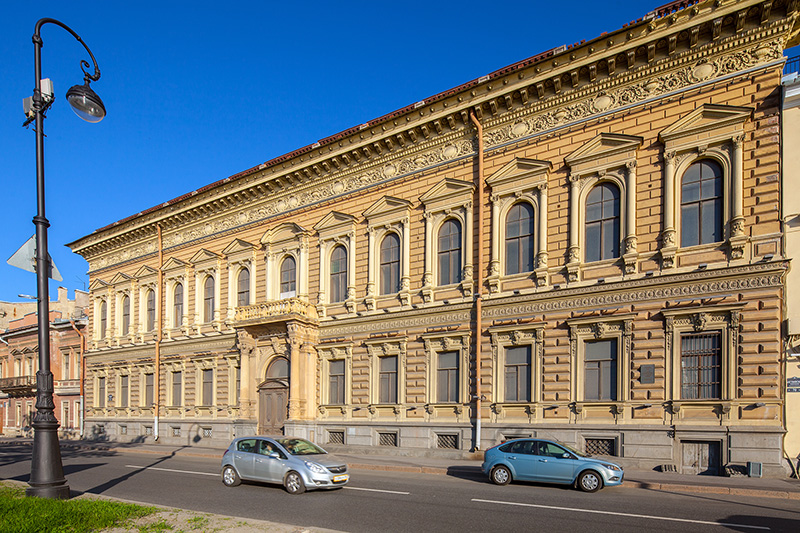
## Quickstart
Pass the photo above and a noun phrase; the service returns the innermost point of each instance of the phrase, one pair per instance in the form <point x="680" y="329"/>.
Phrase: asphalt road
<point x="383" y="501"/>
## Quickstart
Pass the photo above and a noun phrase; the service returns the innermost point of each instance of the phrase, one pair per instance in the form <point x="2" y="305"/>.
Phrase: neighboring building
<point x="790" y="159"/>
<point x="68" y="308"/>
<point x="19" y="362"/>
<point x="585" y="245"/>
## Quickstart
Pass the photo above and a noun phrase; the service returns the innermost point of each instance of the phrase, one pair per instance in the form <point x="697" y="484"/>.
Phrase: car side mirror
<point x="567" y="456"/>
<point x="274" y="455"/>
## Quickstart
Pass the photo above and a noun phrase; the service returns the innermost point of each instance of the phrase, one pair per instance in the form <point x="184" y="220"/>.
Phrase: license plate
<point x="339" y="479"/>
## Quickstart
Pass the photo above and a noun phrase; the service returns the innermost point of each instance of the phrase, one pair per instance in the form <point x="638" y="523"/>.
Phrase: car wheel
<point x="501" y="475"/>
<point x="294" y="483"/>
<point x="230" y="477"/>
<point x="590" y="481"/>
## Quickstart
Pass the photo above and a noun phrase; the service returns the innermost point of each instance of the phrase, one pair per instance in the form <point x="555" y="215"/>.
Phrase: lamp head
<point x="85" y="102"/>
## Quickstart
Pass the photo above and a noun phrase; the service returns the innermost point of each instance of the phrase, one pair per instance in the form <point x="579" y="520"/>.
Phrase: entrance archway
<point x="273" y="398"/>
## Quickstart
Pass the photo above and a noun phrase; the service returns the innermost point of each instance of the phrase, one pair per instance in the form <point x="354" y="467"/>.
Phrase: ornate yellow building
<point x="585" y="245"/>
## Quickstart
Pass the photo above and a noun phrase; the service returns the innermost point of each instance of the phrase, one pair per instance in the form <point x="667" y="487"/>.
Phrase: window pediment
<point x="334" y="221"/>
<point x="448" y="192"/>
<point x="238" y="246"/>
<point x="521" y="173"/>
<point x="97" y="285"/>
<point x="119" y="277"/>
<point x="706" y="124"/>
<point x="386" y="209"/>
<point x="145" y="272"/>
<point x="288" y="232"/>
<point x="203" y="256"/>
<point x="607" y="150"/>
<point x="390" y="346"/>
<point x="173" y="264"/>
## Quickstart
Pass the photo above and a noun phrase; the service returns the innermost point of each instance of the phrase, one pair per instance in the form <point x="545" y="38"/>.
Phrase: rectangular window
<point x="101" y="392"/>
<point x="66" y="374"/>
<point x="148" y="390"/>
<point x="238" y="384"/>
<point x="208" y="386"/>
<point x="177" y="379"/>
<point x="123" y="391"/>
<point x="701" y="372"/>
<point x="336" y="383"/>
<point x="66" y="423"/>
<point x="388" y="379"/>
<point x="518" y="374"/>
<point x="447" y="377"/>
<point x="600" y="370"/>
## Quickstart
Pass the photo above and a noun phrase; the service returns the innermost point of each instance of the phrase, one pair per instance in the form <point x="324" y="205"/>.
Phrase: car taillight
<point x="225" y="452"/>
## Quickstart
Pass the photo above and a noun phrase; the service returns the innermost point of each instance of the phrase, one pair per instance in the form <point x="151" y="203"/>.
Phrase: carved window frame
<point x="378" y="348"/>
<point x="100" y="292"/>
<point x="336" y="229"/>
<point x="388" y="215"/>
<point x="200" y="365"/>
<point x="714" y="132"/>
<point x="170" y="369"/>
<point x="440" y="342"/>
<point x="285" y="240"/>
<point x="448" y="199"/>
<point x="512" y="336"/>
<point x="176" y="271"/>
<point x="239" y="255"/>
<point x="207" y="265"/>
<point x="123" y="285"/>
<point x="581" y="330"/>
<point x="146" y="280"/>
<point x="521" y="180"/>
<point x="725" y="319"/>
<point x="342" y="351"/>
<point x="608" y="157"/>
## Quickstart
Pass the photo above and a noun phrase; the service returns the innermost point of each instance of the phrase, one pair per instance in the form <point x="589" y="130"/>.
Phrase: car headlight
<point x="615" y="468"/>
<point x="314" y="467"/>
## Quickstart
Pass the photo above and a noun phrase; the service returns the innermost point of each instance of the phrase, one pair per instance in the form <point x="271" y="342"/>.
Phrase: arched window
<point x="126" y="315"/>
<point x="288" y="278"/>
<point x="701" y="203"/>
<point x="390" y="264"/>
<point x="278" y="369"/>
<point x="103" y="319"/>
<point x="450" y="252"/>
<point x="243" y="288"/>
<point x="519" y="239"/>
<point x="208" y="299"/>
<point x="338" y="274"/>
<point x="177" y="306"/>
<point x="602" y="222"/>
<point x="151" y="310"/>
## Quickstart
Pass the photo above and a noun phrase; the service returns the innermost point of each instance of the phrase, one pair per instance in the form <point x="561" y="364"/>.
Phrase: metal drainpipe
<point x="159" y="332"/>
<point x="479" y="280"/>
<point x="83" y="373"/>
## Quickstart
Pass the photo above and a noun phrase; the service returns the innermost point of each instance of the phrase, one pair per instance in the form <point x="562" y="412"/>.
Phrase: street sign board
<point x="25" y="258"/>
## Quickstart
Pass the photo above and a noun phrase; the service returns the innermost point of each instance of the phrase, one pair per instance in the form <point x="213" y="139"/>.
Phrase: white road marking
<point x="171" y="470"/>
<point x="379" y="490"/>
<point x="622" y="514"/>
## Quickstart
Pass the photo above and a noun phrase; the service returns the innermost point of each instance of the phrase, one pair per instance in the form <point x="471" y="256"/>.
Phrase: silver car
<point x="297" y="464"/>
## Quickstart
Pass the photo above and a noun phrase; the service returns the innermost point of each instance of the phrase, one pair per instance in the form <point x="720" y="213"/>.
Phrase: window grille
<point x="207" y="433"/>
<point x="600" y="446"/>
<point x="701" y="355"/>
<point x="387" y="439"/>
<point x="123" y="430"/>
<point x="176" y="431"/>
<point x="449" y="442"/>
<point x="148" y="430"/>
<point x="336" y="437"/>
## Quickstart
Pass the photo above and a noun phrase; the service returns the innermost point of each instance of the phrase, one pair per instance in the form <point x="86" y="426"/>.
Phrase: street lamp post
<point x="47" y="474"/>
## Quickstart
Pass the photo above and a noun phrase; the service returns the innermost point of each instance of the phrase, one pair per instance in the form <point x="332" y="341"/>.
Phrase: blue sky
<point x="198" y="91"/>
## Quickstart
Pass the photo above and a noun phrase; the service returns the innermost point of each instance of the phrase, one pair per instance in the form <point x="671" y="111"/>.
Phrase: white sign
<point x="25" y="258"/>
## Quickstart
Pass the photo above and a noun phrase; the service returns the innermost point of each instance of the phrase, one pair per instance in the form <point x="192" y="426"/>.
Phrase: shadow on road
<point x="100" y="489"/>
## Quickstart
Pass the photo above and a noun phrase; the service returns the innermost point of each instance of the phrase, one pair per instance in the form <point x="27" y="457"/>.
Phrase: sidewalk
<point x="643" y="479"/>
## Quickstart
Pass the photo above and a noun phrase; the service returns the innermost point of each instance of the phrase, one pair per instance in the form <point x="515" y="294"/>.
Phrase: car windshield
<point x="572" y="450"/>
<point x="300" y="446"/>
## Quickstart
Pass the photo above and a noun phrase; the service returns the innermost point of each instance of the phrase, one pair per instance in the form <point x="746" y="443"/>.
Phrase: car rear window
<point x="246" y="445"/>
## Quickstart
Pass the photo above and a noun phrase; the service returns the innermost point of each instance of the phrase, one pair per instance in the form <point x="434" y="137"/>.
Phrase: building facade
<point x="19" y="362"/>
<point x="585" y="245"/>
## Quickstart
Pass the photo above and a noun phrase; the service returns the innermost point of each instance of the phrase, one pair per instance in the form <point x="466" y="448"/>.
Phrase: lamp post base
<point x="47" y="474"/>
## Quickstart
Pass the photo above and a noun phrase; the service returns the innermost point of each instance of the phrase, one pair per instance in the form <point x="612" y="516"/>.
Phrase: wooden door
<point x="700" y="458"/>
<point x="273" y="407"/>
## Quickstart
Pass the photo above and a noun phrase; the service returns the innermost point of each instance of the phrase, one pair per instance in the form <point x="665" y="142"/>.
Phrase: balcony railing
<point x="276" y="311"/>
<point x="792" y="65"/>
<point x="24" y="384"/>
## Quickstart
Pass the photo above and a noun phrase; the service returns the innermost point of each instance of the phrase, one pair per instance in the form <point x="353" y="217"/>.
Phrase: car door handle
<point x="542" y="460"/>
<point x="513" y="457"/>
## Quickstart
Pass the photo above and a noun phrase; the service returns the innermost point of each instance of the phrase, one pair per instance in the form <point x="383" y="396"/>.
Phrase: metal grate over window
<point x="336" y="437"/>
<point x="148" y="430"/>
<point x="176" y="431"/>
<point x="207" y="433"/>
<point x="387" y="439"/>
<point x="701" y="355"/>
<point x="600" y="447"/>
<point x="123" y="430"/>
<point x="449" y="442"/>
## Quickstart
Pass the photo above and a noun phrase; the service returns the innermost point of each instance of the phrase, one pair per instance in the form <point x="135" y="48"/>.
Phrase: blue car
<point x="550" y="462"/>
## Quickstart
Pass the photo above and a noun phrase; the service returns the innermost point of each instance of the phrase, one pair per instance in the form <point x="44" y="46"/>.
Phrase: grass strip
<point x="21" y="514"/>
